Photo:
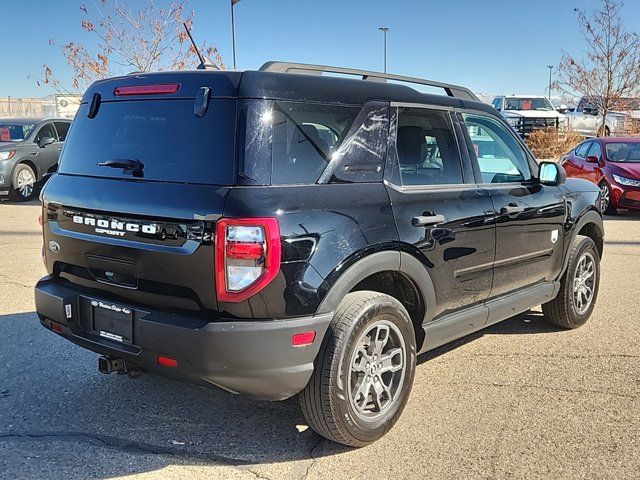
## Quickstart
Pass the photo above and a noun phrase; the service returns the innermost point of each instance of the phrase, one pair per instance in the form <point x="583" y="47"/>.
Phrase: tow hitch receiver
<point x="108" y="365"/>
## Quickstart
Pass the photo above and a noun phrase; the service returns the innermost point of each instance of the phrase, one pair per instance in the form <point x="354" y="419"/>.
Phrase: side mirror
<point x="44" y="141"/>
<point x="551" y="174"/>
<point x="592" y="159"/>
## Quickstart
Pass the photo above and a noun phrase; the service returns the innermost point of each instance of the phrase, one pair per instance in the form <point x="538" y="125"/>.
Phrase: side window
<point x="426" y="148"/>
<point x="360" y="157"/>
<point x="46" y="130"/>
<point x="500" y="156"/>
<point x="581" y="150"/>
<point x="305" y="136"/>
<point x="595" y="150"/>
<point x="62" y="128"/>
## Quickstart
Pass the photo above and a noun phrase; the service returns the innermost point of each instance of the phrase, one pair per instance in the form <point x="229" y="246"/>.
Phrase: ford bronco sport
<point x="276" y="233"/>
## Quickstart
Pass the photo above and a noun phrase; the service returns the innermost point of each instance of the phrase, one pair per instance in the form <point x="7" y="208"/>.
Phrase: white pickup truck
<point x="527" y="113"/>
<point x="586" y="119"/>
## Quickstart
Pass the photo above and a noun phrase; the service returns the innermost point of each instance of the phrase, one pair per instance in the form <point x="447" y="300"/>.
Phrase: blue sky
<point x="491" y="46"/>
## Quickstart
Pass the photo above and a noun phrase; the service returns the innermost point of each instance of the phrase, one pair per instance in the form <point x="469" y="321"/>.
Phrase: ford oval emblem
<point x="54" y="246"/>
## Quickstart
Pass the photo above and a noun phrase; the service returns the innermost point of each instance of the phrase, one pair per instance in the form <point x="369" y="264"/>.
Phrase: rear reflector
<point x="147" y="89"/>
<point x="245" y="251"/>
<point x="303" y="339"/>
<point x="167" y="361"/>
<point x="56" y="327"/>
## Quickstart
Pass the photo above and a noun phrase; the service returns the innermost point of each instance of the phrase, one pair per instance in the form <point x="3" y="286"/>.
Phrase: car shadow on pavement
<point x="531" y="322"/>
<point x="53" y="402"/>
<point x="56" y="408"/>
<point x="625" y="216"/>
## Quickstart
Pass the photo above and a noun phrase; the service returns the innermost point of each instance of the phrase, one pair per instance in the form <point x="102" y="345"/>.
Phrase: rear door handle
<point x="511" y="209"/>
<point x="427" y="221"/>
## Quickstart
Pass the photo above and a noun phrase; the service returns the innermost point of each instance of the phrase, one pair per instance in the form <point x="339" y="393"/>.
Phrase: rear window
<point x="164" y="135"/>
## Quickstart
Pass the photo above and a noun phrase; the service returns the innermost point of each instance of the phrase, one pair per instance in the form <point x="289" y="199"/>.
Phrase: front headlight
<point x="513" y="121"/>
<point x="629" y="182"/>
<point x="7" y="155"/>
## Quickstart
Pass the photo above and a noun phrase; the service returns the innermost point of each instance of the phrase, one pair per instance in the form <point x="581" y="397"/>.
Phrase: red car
<point x="613" y="163"/>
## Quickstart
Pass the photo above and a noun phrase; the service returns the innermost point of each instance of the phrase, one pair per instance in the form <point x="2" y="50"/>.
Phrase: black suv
<point x="273" y="232"/>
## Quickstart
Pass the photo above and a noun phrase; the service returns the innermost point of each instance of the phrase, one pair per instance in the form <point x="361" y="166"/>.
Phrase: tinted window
<point x="46" y="131"/>
<point x="170" y="141"/>
<point x="305" y="136"/>
<point x="15" y="132"/>
<point x="360" y="157"/>
<point x="426" y="148"/>
<point x="500" y="157"/>
<point x="581" y="150"/>
<point x="595" y="150"/>
<point x="62" y="128"/>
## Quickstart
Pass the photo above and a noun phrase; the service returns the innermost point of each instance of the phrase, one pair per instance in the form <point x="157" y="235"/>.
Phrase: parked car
<point x="527" y="113"/>
<point x="274" y="233"/>
<point x="29" y="150"/>
<point x="586" y="119"/>
<point x="614" y="165"/>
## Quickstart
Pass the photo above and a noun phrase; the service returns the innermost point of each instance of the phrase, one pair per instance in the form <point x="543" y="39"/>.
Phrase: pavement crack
<point x="124" y="445"/>
<point x="311" y="457"/>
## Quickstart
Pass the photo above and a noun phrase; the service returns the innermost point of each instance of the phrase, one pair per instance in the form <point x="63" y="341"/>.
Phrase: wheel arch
<point x="590" y="224"/>
<point x="398" y="274"/>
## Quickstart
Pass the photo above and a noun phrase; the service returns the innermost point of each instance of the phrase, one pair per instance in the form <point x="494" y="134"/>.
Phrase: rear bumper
<point x="255" y="358"/>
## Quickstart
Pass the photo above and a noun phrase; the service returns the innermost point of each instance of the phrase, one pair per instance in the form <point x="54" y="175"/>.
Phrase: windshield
<point x="15" y="132"/>
<point x="154" y="140"/>
<point x="527" y="103"/>
<point x="624" y="152"/>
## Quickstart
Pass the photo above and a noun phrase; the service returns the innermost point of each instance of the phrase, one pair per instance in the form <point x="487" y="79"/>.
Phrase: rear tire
<point x="23" y="184"/>
<point x="364" y="370"/>
<point x="579" y="285"/>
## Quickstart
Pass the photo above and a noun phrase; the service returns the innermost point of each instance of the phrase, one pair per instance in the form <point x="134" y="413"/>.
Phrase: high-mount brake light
<point x="147" y="89"/>
<point x="247" y="259"/>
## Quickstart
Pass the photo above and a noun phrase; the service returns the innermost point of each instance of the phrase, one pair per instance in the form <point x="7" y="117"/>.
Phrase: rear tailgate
<point x="150" y="243"/>
<point x="144" y="234"/>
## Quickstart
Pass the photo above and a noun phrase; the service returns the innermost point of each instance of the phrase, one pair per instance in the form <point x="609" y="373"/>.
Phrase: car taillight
<point x="247" y="256"/>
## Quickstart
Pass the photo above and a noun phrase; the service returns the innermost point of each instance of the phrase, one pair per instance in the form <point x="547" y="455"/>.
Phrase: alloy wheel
<point x="25" y="182"/>
<point x="377" y="370"/>
<point x="605" y="197"/>
<point x="584" y="282"/>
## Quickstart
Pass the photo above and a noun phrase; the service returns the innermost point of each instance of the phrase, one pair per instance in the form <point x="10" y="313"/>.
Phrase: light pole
<point x="550" y="67"/>
<point x="233" y="33"/>
<point x="384" y="30"/>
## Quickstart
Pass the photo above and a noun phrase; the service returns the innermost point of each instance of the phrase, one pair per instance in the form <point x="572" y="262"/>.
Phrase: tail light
<point x="247" y="256"/>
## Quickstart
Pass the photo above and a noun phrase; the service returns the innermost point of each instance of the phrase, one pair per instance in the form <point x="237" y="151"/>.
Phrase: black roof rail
<point x="454" y="91"/>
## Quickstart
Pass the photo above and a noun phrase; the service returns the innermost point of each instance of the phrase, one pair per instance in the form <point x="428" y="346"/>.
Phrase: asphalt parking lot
<point x="518" y="400"/>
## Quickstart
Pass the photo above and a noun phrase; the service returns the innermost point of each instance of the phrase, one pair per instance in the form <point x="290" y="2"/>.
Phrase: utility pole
<point x="550" y="67"/>
<point x="384" y="30"/>
<point x="233" y="33"/>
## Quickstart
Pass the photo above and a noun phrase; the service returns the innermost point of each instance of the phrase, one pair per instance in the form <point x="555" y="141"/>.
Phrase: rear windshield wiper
<point x="134" y="167"/>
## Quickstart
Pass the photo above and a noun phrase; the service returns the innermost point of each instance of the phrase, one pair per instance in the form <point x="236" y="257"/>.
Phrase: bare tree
<point x="151" y="38"/>
<point x="610" y="71"/>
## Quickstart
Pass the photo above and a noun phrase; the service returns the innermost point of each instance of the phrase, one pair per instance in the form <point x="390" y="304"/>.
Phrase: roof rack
<point x="454" y="91"/>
